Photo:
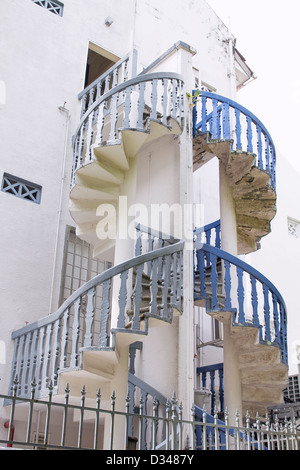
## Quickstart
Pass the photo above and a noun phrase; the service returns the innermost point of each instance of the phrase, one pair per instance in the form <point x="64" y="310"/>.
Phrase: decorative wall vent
<point x="52" y="5"/>
<point x="21" y="188"/>
<point x="293" y="227"/>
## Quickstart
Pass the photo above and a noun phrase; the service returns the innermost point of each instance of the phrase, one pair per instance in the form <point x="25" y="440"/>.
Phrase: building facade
<point x="132" y="185"/>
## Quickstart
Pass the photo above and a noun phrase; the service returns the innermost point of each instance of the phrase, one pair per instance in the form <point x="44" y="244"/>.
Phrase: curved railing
<point x="54" y="344"/>
<point x="120" y="72"/>
<point x="130" y="105"/>
<point x="211" y="234"/>
<point x="225" y="119"/>
<point x="264" y="308"/>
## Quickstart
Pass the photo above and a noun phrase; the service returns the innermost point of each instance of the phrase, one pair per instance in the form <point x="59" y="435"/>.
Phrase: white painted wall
<point x="278" y="258"/>
<point x="43" y="59"/>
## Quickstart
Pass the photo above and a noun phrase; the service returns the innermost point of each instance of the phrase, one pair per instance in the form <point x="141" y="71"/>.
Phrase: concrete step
<point x="254" y="197"/>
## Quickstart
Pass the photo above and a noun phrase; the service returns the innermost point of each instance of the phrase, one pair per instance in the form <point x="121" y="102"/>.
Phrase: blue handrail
<point x="225" y="119"/>
<point x="267" y="305"/>
<point x="210" y="230"/>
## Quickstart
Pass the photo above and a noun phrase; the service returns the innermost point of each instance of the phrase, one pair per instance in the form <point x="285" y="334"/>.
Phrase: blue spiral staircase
<point x="77" y="342"/>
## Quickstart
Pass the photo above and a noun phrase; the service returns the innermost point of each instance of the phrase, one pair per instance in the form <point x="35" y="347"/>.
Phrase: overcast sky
<point x="267" y="33"/>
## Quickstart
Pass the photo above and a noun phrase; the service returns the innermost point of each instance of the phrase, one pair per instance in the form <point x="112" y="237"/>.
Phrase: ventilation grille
<point x="21" y="188"/>
<point x="51" y="5"/>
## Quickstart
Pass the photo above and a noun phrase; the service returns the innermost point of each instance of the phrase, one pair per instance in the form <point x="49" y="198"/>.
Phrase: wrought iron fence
<point x="137" y="429"/>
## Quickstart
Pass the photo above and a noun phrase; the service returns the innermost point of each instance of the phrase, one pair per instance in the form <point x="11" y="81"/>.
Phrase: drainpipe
<point x="63" y="109"/>
<point x="12" y="431"/>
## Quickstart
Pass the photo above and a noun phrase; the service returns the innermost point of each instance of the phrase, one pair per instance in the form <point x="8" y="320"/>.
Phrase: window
<point x="206" y="87"/>
<point x="293" y="227"/>
<point x="217" y="333"/>
<point x="79" y="266"/>
<point x="21" y="188"/>
<point x="98" y="62"/>
<point x="292" y="393"/>
<point x="51" y="5"/>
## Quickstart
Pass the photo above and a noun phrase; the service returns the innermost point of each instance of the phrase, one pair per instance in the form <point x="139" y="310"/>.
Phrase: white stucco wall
<point x="43" y="60"/>
<point x="278" y="258"/>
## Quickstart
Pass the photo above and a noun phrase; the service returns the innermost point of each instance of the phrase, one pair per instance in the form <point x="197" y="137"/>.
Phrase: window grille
<point x="51" y="5"/>
<point x="292" y="393"/>
<point x="79" y="266"/>
<point x="21" y="188"/>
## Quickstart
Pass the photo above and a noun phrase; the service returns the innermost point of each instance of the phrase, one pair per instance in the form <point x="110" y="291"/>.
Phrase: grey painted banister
<point x="54" y="343"/>
<point x="147" y="389"/>
<point x="120" y="72"/>
<point x="154" y="96"/>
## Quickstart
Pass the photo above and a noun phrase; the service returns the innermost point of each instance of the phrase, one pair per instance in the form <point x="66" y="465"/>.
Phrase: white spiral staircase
<point x="77" y="343"/>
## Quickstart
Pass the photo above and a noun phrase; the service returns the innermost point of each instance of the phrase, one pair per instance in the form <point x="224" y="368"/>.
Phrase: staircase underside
<point x="255" y="199"/>
<point x="263" y="374"/>
<point x="98" y="181"/>
<point x="100" y="365"/>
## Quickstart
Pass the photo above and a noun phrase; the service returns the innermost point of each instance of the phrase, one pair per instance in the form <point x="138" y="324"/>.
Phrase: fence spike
<point x="50" y="386"/>
<point x="113" y="399"/>
<point x="33" y="388"/>
<point x="67" y="390"/>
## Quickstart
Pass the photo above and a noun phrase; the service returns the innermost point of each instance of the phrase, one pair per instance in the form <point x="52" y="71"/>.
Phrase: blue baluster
<point x="275" y="316"/>
<point x="203" y="379"/>
<point x="227" y="285"/>
<point x="221" y="389"/>
<point x="214" y="283"/>
<point x="201" y="269"/>
<point x="195" y="113"/>
<point x="213" y="389"/>
<point x="238" y="129"/>
<point x="254" y="301"/>
<point x="226" y="121"/>
<point x="218" y="236"/>
<point x="267" y="154"/>
<point x="208" y="236"/>
<point x="249" y="135"/>
<point x="214" y="128"/>
<point x="203" y="114"/>
<point x="259" y="147"/>
<point x="283" y="334"/>
<point x="219" y="123"/>
<point x="241" y="296"/>
<point x="267" y="313"/>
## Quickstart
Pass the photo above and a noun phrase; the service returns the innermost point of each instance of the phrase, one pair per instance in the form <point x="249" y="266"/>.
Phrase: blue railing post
<point x="248" y="129"/>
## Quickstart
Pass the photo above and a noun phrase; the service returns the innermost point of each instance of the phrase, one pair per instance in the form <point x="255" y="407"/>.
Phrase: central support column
<point x="124" y="249"/>
<point x="232" y="379"/>
<point x="186" y="321"/>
